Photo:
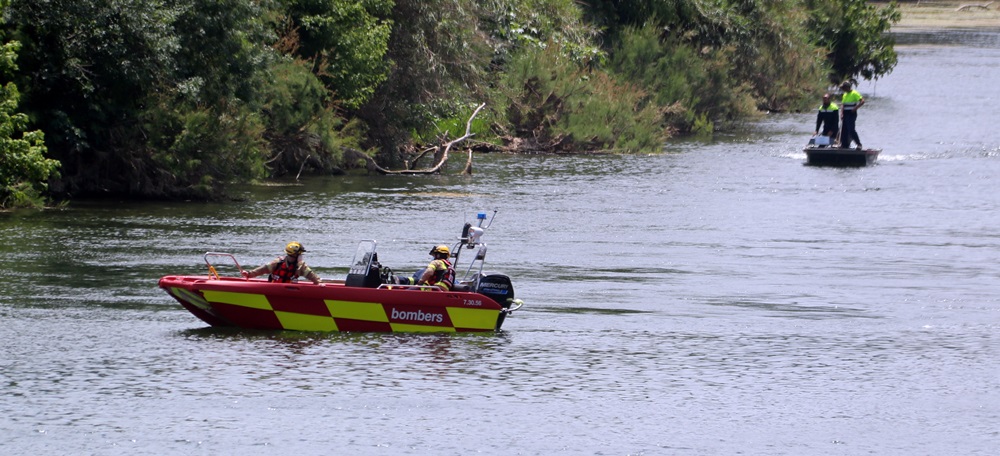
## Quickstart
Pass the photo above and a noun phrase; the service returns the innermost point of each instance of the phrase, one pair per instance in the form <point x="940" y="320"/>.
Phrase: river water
<point x="720" y="299"/>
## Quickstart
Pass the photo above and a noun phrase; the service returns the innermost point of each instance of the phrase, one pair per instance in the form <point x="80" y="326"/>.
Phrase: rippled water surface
<point x="719" y="299"/>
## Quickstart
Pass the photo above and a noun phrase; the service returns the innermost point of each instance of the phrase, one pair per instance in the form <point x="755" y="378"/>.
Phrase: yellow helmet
<point x="294" y="248"/>
<point x="441" y="249"/>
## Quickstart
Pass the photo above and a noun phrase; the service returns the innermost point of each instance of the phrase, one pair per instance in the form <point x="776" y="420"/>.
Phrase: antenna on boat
<point x="482" y="217"/>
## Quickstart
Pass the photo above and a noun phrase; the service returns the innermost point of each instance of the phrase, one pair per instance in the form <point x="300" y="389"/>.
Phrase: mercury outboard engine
<point x="498" y="288"/>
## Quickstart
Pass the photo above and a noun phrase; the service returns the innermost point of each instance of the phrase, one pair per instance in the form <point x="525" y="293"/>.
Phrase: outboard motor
<point x="498" y="288"/>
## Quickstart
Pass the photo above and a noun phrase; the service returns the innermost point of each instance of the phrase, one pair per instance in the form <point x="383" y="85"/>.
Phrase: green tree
<point x="693" y="86"/>
<point x="303" y="126"/>
<point x="98" y="67"/>
<point x="755" y="47"/>
<point x="24" y="170"/>
<point x="87" y="66"/>
<point x="222" y="51"/>
<point x="438" y="61"/>
<point x="449" y="54"/>
<point x="769" y="50"/>
<point x="204" y="124"/>
<point x="344" y="40"/>
<point x="856" y="33"/>
<point x="518" y="24"/>
<point x="561" y="106"/>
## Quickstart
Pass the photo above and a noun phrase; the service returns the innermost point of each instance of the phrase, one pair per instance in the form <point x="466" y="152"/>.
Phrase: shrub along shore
<point x="178" y="100"/>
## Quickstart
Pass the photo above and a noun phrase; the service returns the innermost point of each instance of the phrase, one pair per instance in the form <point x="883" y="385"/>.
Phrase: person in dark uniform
<point x="828" y="119"/>
<point x="849" y="104"/>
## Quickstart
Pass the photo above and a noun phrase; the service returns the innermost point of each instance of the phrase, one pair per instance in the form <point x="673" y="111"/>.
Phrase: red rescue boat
<point x="366" y="300"/>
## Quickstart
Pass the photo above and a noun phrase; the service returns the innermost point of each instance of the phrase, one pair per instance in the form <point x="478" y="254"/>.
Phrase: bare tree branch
<point x="444" y="154"/>
<point x="468" y="164"/>
<point x="409" y="164"/>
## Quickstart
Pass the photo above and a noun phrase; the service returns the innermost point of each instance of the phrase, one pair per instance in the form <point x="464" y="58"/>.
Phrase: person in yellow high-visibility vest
<point x="829" y="119"/>
<point x="439" y="272"/>
<point x="849" y="104"/>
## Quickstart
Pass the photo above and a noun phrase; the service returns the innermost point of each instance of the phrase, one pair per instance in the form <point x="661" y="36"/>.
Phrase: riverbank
<point x="949" y="14"/>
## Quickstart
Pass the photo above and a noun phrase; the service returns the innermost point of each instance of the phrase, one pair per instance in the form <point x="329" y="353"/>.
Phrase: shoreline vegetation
<point x="948" y="14"/>
<point x="185" y="101"/>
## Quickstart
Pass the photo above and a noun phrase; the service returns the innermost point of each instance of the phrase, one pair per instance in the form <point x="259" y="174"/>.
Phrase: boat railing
<point x="514" y="305"/>
<point x="212" y="271"/>
<point x="475" y="269"/>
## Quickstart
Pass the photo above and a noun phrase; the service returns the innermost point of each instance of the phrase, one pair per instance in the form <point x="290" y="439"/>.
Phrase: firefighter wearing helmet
<point x="439" y="272"/>
<point x="287" y="268"/>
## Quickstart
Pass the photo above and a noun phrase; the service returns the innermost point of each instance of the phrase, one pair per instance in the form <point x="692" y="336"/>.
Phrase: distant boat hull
<point x="837" y="156"/>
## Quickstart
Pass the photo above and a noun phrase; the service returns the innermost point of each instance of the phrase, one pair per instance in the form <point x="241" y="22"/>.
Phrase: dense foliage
<point x="560" y="107"/>
<point x="344" y="42"/>
<point x="24" y="170"/>
<point x="858" y="37"/>
<point x="172" y="99"/>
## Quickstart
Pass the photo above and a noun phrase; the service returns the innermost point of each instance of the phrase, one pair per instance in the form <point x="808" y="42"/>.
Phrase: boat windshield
<point x="363" y="257"/>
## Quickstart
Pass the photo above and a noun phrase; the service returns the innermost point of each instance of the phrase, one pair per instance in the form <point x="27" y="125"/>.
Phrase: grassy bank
<point x="949" y="14"/>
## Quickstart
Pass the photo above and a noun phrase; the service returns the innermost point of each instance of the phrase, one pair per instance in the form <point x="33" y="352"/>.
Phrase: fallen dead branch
<point x="444" y="155"/>
<point x="971" y="6"/>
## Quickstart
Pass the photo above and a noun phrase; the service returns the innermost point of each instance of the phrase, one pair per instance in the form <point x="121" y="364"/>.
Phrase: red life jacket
<point x="445" y="278"/>
<point x="283" y="272"/>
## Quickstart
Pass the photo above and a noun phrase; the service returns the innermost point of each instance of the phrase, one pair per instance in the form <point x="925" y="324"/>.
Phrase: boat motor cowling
<point x="498" y="288"/>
